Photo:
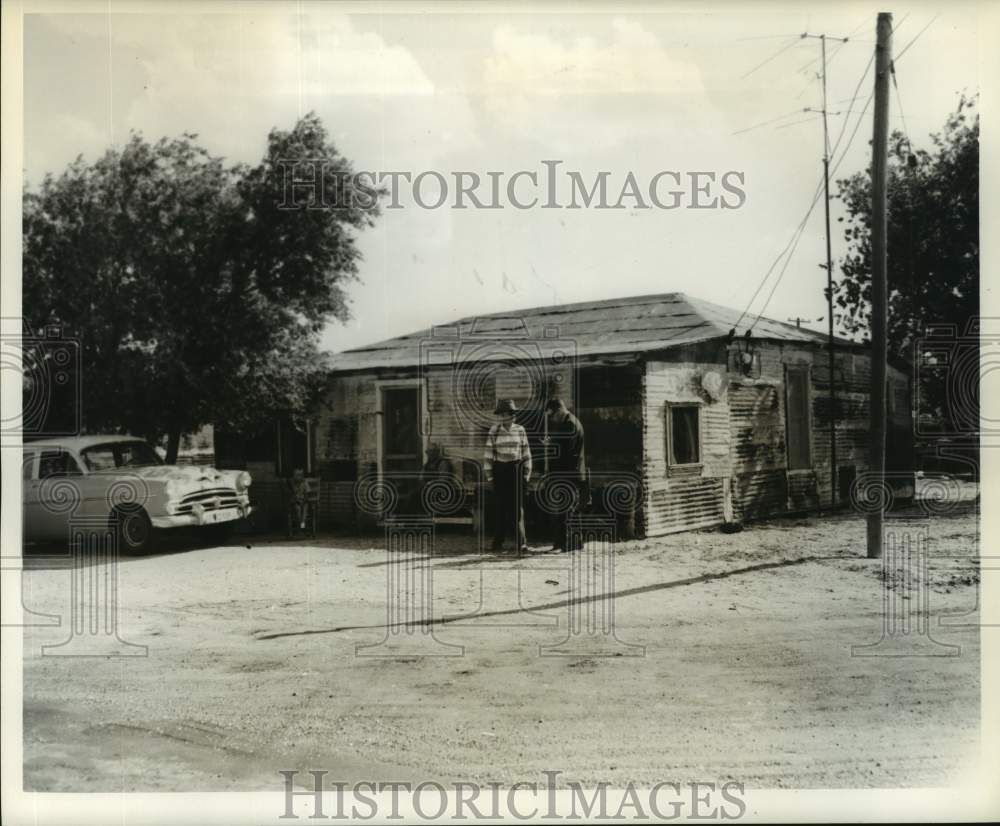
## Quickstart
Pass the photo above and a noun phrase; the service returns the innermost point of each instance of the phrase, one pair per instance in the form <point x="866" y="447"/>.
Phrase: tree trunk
<point x="173" y="446"/>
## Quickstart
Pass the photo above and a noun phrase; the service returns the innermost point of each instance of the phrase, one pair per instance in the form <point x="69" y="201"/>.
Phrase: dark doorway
<point x="797" y="412"/>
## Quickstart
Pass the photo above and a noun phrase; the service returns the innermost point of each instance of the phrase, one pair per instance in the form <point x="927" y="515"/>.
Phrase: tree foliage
<point x="933" y="235"/>
<point x="197" y="290"/>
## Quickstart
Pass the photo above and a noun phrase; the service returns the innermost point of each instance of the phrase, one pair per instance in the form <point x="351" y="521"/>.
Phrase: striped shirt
<point x="503" y="445"/>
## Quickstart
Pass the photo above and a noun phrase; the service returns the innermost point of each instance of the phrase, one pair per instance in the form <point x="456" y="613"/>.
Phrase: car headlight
<point x="243" y="481"/>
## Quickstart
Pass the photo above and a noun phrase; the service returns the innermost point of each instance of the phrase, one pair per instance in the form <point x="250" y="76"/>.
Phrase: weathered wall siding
<point x="754" y="453"/>
<point x="757" y="428"/>
<point x="685" y="505"/>
<point x="802" y="491"/>
<point x="759" y="493"/>
<point x="459" y="423"/>
<point x="456" y="418"/>
<point x="336" y="504"/>
<point x="742" y="434"/>
<point x="345" y="430"/>
<point x="678" y="500"/>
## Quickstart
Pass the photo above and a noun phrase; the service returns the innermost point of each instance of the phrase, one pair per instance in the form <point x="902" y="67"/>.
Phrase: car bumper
<point x="201" y="518"/>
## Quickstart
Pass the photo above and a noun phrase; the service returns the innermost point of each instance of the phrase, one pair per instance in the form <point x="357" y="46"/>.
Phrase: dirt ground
<point x="731" y="659"/>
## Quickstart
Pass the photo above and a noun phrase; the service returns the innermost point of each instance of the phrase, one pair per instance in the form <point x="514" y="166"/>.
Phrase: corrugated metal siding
<point x="680" y="499"/>
<point x="686" y="504"/>
<point x="759" y="494"/>
<point x="758" y="449"/>
<point x="757" y="427"/>
<point x="759" y="433"/>
<point x="742" y="434"/>
<point x="802" y="491"/>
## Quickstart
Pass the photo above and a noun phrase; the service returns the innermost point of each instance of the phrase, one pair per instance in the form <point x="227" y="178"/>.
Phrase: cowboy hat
<point x="505" y="406"/>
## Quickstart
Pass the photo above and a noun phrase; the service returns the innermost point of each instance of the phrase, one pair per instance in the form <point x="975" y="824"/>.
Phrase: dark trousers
<point x="508" y="502"/>
<point x="565" y="533"/>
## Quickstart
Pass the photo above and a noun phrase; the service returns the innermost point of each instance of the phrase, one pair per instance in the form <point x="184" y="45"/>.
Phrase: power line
<point x="796" y="236"/>
<point x="907" y="46"/>
<point x="829" y="60"/>
<point x="815" y="198"/>
<point x="799" y="231"/>
<point x="799" y="122"/>
<point x="792" y="246"/>
<point x="899" y="101"/>
<point x="774" y="263"/>
<point x="780" y="51"/>
<point x="850" y="140"/>
<point x="850" y="38"/>
<point x="768" y="37"/>
<point x="768" y="122"/>
<point x="850" y="105"/>
<point x="902" y="20"/>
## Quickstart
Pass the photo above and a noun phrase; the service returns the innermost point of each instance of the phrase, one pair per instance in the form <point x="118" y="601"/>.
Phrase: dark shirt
<point x="434" y="468"/>
<point x="566" y="444"/>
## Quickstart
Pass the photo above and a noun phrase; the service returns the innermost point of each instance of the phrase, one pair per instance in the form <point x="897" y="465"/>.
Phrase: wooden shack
<point x="718" y="418"/>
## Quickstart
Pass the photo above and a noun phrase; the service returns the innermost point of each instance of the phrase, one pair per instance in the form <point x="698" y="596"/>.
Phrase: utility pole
<point x="879" y="352"/>
<point x="829" y="273"/>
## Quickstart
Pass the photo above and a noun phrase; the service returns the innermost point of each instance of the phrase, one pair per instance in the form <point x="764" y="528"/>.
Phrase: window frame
<point x="58" y="451"/>
<point x="669" y="422"/>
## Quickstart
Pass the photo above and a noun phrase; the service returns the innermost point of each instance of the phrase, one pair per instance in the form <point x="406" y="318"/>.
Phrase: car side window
<point x="100" y="458"/>
<point x="28" y="466"/>
<point x="57" y="463"/>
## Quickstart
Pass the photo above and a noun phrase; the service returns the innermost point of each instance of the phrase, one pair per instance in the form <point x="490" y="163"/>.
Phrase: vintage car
<point x="123" y="479"/>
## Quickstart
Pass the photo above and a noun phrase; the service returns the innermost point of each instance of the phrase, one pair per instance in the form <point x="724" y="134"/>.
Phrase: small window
<point x="683" y="434"/>
<point x="57" y="463"/>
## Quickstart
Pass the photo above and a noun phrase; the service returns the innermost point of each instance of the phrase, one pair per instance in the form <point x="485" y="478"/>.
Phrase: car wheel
<point x="135" y="530"/>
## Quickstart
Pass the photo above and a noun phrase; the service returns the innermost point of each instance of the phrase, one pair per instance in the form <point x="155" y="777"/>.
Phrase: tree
<point x="197" y="290"/>
<point x="933" y="239"/>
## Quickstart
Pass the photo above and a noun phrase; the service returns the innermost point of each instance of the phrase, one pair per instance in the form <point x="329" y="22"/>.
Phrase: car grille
<point x="211" y="499"/>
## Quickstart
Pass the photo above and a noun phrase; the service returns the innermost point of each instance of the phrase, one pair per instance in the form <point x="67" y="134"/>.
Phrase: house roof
<point x="615" y="326"/>
<point x="79" y="443"/>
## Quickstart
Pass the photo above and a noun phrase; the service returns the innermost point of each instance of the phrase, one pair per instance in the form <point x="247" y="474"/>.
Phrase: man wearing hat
<point x="567" y="465"/>
<point x="508" y="467"/>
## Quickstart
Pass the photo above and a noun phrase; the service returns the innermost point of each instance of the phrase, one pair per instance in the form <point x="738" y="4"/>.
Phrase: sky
<point x="643" y="90"/>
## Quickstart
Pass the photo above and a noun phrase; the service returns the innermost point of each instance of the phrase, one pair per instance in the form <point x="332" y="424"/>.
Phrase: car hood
<point x="184" y="475"/>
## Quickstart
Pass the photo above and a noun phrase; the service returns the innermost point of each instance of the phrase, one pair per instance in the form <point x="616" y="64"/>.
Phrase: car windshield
<point x="119" y="454"/>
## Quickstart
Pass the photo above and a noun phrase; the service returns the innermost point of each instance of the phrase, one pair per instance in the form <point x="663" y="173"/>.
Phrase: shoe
<point x="524" y="549"/>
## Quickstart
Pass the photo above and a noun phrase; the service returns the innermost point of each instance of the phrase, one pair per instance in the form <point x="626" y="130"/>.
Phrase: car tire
<point x="134" y="530"/>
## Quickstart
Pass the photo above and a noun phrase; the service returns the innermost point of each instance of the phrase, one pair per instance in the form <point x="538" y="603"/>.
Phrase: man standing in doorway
<point x="567" y="466"/>
<point x="508" y="467"/>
